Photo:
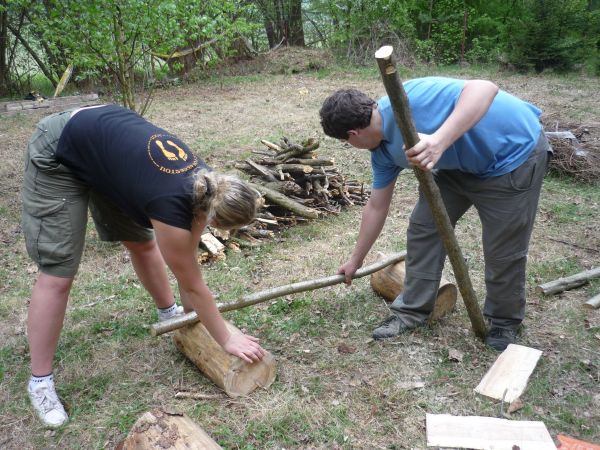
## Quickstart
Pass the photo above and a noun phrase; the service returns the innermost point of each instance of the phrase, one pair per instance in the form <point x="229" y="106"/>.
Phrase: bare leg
<point x="45" y="319"/>
<point x="150" y="268"/>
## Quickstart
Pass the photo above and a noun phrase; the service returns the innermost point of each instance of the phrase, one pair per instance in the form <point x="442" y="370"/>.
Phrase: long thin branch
<point x="268" y="294"/>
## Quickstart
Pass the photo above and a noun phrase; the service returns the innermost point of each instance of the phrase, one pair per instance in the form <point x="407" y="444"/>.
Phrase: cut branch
<point x="566" y="283"/>
<point x="268" y="294"/>
<point x="403" y="116"/>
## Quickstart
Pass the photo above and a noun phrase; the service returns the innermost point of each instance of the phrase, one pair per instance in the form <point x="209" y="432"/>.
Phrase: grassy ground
<point x="109" y="370"/>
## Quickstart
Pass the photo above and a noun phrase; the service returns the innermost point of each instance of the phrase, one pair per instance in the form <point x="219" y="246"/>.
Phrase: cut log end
<point x="235" y="376"/>
<point x="384" y="52"/>
<point x="389" y="283"/>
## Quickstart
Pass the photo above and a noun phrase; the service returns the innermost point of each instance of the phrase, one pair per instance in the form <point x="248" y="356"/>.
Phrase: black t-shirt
<point x="143" y="169"/>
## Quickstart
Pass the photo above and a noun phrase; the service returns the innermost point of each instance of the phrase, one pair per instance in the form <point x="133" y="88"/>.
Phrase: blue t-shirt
<point x="499" y="143"/>
<point x="146" y="171"/>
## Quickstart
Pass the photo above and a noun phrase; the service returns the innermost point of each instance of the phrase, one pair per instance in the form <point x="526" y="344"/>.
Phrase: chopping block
<point x="389" y="283"/>
<point x="232" y="374"/>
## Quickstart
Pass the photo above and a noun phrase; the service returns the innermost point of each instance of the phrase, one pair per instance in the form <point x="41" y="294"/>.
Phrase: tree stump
<point x="161" y="429"/>
<point x="389" y="283"/>
<point x="235" y="376"/>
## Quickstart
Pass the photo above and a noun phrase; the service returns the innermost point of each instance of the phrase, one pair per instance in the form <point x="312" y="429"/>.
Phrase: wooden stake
<point x="403" y="116"/>
<point x="566" y="283"/>
<point x="268" y="294"/>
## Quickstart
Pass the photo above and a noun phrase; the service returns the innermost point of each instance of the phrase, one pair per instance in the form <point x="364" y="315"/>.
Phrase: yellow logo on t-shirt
<point x="170" y="155"/>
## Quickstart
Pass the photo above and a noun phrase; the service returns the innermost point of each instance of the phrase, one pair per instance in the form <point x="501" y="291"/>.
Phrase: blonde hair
<point x="226" y="199"/>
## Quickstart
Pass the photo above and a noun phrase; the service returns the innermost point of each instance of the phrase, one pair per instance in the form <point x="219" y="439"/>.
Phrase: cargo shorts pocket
<point x="47" y="230"/>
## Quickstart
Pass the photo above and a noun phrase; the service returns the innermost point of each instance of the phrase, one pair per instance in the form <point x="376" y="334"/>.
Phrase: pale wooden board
<point x="486" y="433"/>
<point x="507" y="378"/>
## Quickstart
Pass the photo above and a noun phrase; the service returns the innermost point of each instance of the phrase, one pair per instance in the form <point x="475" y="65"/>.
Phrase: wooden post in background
<point x="399" y="102"/>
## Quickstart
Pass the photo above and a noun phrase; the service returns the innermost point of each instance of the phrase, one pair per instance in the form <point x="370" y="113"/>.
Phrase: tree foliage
<point x="122" y="43"/>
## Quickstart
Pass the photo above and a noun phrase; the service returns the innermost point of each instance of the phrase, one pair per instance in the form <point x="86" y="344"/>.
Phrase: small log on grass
<point x="160" y="429"/>
<point x="235" y="376"/>
<point x="566" y="283"/>
<point x="593" y="303"/>
<point x="389" y="283"/>
<point x="403" y="116"/>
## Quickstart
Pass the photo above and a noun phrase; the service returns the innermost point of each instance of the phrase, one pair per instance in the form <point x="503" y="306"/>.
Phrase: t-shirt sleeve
<point x="384" y="169"/>
<point x="171" y="210"/>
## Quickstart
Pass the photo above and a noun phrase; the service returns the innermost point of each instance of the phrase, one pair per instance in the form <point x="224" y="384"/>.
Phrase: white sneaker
<point x="176" y="312"/>
<point x="47" y="405"/>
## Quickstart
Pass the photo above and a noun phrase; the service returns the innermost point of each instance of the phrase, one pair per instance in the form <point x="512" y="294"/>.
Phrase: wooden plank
<point x="507" y="378"/>
<point x="487" y="433"/>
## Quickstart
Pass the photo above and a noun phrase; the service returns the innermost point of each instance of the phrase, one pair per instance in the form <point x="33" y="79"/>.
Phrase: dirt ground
<point x="324" y="397"/>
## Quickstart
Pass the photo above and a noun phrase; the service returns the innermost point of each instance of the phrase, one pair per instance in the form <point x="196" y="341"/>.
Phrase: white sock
<point x="168" y="312"/>
<point x="35" y="381"/>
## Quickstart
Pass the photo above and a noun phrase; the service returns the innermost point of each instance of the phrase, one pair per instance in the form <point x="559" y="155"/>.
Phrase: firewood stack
<point x="296" y="186"/>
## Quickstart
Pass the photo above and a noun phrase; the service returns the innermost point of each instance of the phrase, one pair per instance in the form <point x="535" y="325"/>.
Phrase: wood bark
<point x="389" y="283"/>
<point x="286" y="202"/>
<point x="232" y="374"/>
<point x="268" y="294"/>
<point x="566" y="283"/>
<point x="403" y="116"/>
<point x="593" y="303"/>
<point x="160" y="429"/>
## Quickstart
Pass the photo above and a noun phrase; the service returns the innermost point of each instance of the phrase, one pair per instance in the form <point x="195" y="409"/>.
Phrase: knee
<point x="140" y="247"/>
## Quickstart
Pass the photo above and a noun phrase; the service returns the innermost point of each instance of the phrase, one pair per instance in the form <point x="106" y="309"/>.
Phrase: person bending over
<point x="144" y="188"/>
<point x="485" y="148"/>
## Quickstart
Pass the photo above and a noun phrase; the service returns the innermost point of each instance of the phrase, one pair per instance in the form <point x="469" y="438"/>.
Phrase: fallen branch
<point x="197" y="395"/>
<point x="268" y="294"/>
<point x="566" y="283"/>
<point x="286" y="202"/>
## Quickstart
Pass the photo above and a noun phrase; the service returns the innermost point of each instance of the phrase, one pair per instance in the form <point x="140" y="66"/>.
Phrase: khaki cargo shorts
<point x="55" y="205"/>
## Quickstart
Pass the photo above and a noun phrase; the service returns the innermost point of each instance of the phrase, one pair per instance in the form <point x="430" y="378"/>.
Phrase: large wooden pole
<point x="268" y="294"/>
<point x="399" y="102"/>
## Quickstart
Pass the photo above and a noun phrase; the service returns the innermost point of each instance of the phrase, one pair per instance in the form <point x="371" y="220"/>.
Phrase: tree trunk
<point x="4" y="45"/>
<point x="160" y="429"/>
<point x="296" y="29"/>
<point x="404" y="121"/>
<point x="235" y="376"/>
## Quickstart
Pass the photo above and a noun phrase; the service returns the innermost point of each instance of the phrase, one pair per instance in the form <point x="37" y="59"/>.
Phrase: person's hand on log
<point x="245" y="347"/>
<point x="426" y="153"/>
<point x="348" y="269"/>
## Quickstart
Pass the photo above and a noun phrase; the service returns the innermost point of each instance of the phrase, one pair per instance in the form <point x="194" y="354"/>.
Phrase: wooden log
<point x="264" y="172"/>
<point x="593" y="303"/>
<point x="284" y="187"/>
<point x="403" y="116"/>
<point x="303" y="161"/>
<point x="294" y="168"/>
<point x="286" y="202"/>
<point x="212" y="244"/>
<point x="564" y="284"/>
<point x="272" y="146"/>
<point x="235" y="376"/>
<point x="160" y="429"/>
<point x="389" y="283"/>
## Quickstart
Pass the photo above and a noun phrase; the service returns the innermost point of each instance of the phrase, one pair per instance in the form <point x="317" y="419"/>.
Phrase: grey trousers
<point x="507" y="207"/>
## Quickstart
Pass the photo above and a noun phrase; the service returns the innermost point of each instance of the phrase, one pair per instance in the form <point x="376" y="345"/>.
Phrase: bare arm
<point x="179" y="249"/>
<point x="474" y="101"/>
<point x="373" y="218"/>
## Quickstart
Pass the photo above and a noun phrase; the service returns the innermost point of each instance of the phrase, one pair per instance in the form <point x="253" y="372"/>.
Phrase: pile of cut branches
<point x="297" y="185"/>
<point x="575" y="154"/>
